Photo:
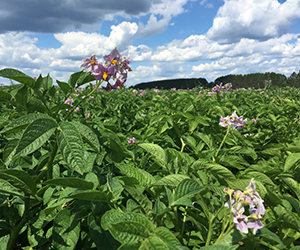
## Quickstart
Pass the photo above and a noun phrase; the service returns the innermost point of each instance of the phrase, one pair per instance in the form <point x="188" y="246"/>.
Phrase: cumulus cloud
<point x="18" y="49"/>
<point x="254" y="19"/>
<point x="166" y="9"/>
<point x="153" y="26"/>
<point x="54" y="16"/>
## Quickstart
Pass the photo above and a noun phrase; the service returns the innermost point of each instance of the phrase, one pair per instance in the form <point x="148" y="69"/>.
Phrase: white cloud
<point x="253" y="19"/>
<point x="139" y="53"/>
<point x="153" y="26"/>
<point x="206" y="5"/>
<point x="82" y="44"/>
<point x="166" y="9"/>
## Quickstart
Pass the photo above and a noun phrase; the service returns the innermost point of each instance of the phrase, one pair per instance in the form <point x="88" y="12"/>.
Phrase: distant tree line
<point x="184" y="83"/>
<point x="256" y="80"/>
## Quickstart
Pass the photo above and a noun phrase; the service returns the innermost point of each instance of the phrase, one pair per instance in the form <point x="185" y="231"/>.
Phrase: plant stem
<point x="182" y="144"/>
<point x="210" y="227"/>
<point x="268" y="245"/>
<point x="291" y="240"/>
<point x="223" y="141"/>
<point x="177" y="225"/>
<point x="49" y="164"/>
<point x="183" y="222"/>
<point x="222" y="235"/>
<point x="15" y="230"/>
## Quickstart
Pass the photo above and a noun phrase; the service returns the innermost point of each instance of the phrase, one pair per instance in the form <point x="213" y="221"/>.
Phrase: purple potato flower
<point x="114" y="57"/>
<point x="233" y="121"/>
<point x="69" y="101"/>
<point x="104" y="73"/>
<point x="115" y="67"/>
<point x="89" y="63"/>
<point x="131" y="141"/>
<point x="237" y="202"/>
<point x="228" y="86"/>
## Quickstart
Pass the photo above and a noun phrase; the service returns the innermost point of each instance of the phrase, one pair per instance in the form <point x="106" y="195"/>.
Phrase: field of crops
<point x="85" y="168"/>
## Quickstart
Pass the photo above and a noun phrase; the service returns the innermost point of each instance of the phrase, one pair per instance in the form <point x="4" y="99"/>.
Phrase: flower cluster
<point x="115" y="67"/>
<point x="216" y="89"/>
<point x="131" y="141"/>
<point x="69" y="101"/>
<point x="237" y="203"/>
<point x="233" y="121"/>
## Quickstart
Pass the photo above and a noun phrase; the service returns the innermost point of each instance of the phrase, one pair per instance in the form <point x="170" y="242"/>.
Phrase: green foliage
<point x="69" y="179"/>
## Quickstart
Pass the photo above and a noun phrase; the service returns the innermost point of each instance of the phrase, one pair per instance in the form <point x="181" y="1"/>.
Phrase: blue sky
<point x="164" y="39"/>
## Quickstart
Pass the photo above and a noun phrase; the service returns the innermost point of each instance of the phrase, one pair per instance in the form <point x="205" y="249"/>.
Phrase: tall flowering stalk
<point x="231" y="122"/>
<point x="115" y="67"/>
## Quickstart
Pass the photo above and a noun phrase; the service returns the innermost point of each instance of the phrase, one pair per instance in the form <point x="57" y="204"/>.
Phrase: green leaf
<point x="204" y="137"/>
<point x="153" y="243"/>
<point x="7" y="188"/>
<point x="293" y="185"/>
<point x="130" y="246"/>
<point x="66" y="230"/>
<point x="99" y="236"/>
<point x="271" y="198"/>
<point x="169" y="238"/>
<point x="140" y="198"/>
<point x="22" y="96"/>
<point x="129" y="231"/>
<point x="291" y="160"/>
<point x="260" y="177"/>
<point x="79" y="78"/>
<point x="156" y="151"/>
<point x="185" y="190"/>
<point x="5" y="96"/>
<point x="18" y="76"/>
<point x="22" y="122"/>
<point x="47" y="82"/>
<point x="35" y="135"/>
<point x="143" y="177"/>
<point x="270" y="236"/>
<point x="115" y="186"/>
<point x="4" y="241"/>
<point x="288" y="219"/>
<point x="229" y="241"/>
<point x="10" y="149"/>
<point x="220" y="247"/>
<point x="71" y="146"/>
<point x="114" y="146"/>
<point x="66" y="88"/>
<point x="88" y="135"/>
<point x="232" y="161"/>
<point x="203" y="120"/>
<point x="171" y="180"/>
<point x="220" y="171"/>
<point x="90" y="195"/>
<point x="20" y="180"/>
<point x="70" y="182"/>
<point x="127" y="227"/>
<point x="112" y="216"/>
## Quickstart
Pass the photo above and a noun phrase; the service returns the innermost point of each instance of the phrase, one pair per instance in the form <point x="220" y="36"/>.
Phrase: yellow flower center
<point x="105" y="75"/>
<point x="93" y="62"/>
<point x="113" y="61"/>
